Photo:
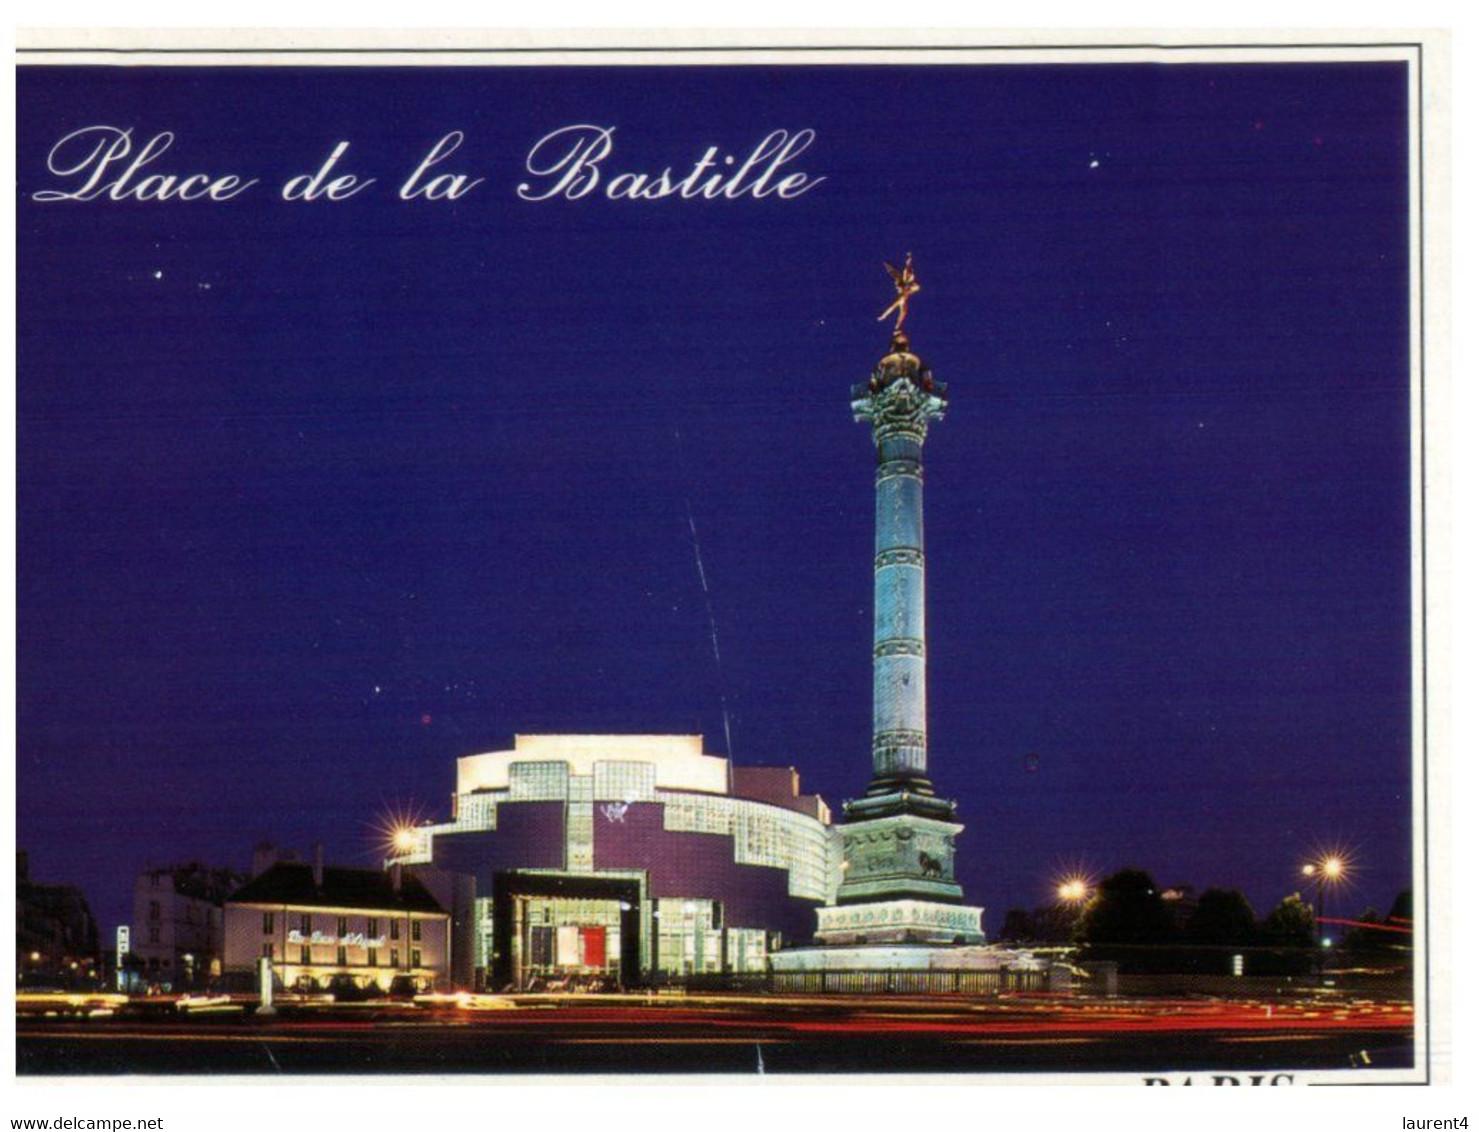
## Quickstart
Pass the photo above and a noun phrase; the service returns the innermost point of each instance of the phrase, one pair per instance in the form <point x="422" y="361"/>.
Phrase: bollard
<point x="264" y="986"/>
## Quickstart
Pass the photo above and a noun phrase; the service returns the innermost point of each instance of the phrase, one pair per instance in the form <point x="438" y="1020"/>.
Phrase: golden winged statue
<point x="907" y="286"/>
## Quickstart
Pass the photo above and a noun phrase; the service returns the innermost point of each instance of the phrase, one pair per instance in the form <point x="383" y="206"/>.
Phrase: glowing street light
<point x="1329" y="869"/>
<point x="1073" y="890"/>
<point x="400" y="832"/>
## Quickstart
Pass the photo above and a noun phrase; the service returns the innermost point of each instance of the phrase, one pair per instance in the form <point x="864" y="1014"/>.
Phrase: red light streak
<point x="1367" y="924"/>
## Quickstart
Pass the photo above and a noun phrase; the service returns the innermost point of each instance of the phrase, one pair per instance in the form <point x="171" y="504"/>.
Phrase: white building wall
<point x="320" y="943"/>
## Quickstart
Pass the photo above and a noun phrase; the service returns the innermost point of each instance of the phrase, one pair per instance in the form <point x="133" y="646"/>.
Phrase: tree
<point x="1223" y="917"/>
<point x="1367" y="941"/>
<point x="1128" y="909"/>
<point x="1401" y="908"/>
<point x="1016" y="927"/>
<point x="1388" y="937"/>
<point x="1290" y="924"/>
<point x="1051" y="924"/>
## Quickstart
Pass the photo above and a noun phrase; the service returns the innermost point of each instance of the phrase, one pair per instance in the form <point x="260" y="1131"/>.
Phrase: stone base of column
<point x="886" y="797"/>
<point x="901" y="856"/>
<point x="899" y="921"/>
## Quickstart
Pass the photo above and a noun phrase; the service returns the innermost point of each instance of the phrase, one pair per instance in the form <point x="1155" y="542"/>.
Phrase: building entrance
<point x="565" y="938"/>
<point x="552" y="930"/>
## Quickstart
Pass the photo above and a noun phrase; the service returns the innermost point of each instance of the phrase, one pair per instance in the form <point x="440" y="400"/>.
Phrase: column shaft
<point x="899" y="702"/>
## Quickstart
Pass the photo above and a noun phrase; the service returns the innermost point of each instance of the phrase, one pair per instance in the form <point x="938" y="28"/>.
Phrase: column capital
<point x="899" y="401"/>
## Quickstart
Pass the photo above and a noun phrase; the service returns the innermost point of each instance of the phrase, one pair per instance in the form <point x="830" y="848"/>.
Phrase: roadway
<point x="728" y="1034"/>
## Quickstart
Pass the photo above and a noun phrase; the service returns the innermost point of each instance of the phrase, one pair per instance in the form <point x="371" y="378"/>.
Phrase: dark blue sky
<point x="273" y="456"/>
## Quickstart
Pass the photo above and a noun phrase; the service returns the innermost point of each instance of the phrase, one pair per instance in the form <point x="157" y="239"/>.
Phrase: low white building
<point x="322" y="924"/>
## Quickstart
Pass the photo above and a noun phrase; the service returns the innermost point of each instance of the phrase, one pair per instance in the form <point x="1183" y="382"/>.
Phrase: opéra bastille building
<point x="623" y="859"/>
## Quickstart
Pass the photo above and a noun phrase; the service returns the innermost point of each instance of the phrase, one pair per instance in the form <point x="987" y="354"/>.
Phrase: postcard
<point x="474" y="609"/>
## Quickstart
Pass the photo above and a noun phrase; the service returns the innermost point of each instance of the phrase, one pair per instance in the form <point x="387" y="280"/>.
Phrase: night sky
<point x="316" y="497"/>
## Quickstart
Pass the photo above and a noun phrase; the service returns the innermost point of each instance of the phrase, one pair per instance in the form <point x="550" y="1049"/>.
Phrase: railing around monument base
<point x="906" y="982"/>
<point x="852" y="982"/>
<point x="856" y="982"/>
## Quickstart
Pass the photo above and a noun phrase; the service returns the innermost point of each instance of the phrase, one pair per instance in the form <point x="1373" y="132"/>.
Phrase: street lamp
<point x="1073" y="890"/>
<point x="1327" y="870"/>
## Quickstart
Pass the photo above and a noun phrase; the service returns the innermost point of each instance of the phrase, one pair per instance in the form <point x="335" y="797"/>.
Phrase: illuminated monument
<point x="898" y="904"/>
<point x="898" y="840"/>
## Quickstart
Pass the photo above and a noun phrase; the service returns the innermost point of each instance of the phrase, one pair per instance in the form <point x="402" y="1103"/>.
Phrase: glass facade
<point x="478" y="811"/>
<point x="763" y="835"/>
<point x="625" y="782"/>
<point x="747" y="950"/>
<point x="580" y="849"/>
<point x="482" y="910"/>
<point x="538" y="782"/>
<point x="688" y="942"/>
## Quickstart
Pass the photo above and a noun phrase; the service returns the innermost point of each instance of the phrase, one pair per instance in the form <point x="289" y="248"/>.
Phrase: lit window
<point x="477" y="811"/>
<point x="395" y="956"/>
<point x="415" y="957"/>
<point x="625" y="781"/>
<point x="535" y="782"/>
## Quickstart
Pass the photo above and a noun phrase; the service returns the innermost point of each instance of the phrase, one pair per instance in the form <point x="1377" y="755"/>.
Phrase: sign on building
<point x="123" y="940"/>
